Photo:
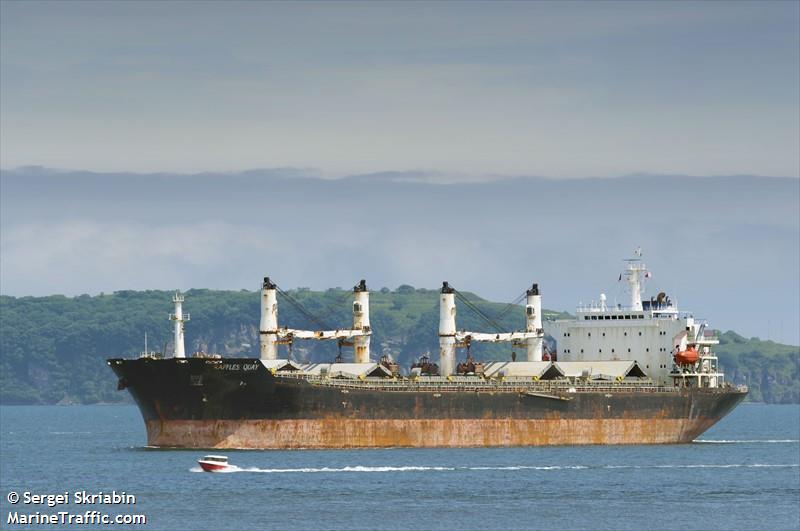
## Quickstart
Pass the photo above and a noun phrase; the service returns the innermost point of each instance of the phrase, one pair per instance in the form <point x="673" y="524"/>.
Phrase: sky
<point x="725" y="248"/>
<point x="489" y="144"/>
<point x="468" y="89"/>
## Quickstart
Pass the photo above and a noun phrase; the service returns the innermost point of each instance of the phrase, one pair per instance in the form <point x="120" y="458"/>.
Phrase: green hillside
<point x="771" y="370"/>
<point x="52" y="349"/>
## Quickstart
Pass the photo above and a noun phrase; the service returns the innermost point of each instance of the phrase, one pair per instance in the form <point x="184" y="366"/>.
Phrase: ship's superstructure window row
<point x="613" y="317"/>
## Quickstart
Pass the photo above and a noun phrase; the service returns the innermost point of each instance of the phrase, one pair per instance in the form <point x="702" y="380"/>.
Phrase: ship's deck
<point x="478" y="384"/>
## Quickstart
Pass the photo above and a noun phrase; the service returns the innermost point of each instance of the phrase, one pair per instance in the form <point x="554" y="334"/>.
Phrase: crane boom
<point x="495" y="338"/>
<point x="320" y="335"/>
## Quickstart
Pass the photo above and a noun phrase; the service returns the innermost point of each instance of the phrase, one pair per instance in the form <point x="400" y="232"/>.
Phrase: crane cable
<point x="508" y="307"/>
<point x="491" y="322"/>
<point x="300" y="308"/>
<point x="329" y="309"/>
<point x="334" y="306"/>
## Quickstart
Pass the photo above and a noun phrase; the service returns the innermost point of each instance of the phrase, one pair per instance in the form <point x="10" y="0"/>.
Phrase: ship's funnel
<point x="268" y="329"/>
<point x="361" y="322"/>
<point x="179" y="317"/>
<point x="447" y="330"/>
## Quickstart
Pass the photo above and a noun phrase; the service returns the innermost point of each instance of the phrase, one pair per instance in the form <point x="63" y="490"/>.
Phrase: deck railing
<point x="437" y="384"/>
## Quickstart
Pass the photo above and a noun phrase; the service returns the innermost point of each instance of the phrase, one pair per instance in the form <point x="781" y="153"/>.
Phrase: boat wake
<point x="483" y="468"/>
<point x="747" y="441"/>
<point x="328" y="469"/>
<point x="748" y="465"/>
<point x="228" y="470"/>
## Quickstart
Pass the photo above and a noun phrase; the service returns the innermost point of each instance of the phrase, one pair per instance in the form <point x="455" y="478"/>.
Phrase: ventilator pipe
<point x="361" y="322"/>
<point x="268" y="329"/>
<point x="447" y="331"/>
<point x="533" y="323"/>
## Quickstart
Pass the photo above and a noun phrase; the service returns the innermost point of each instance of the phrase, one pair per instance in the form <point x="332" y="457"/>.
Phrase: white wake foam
<point x="359" y="468"/>
<point x="747" y="441"/>
<point x="524" y="467"/>
<point x="749" y="465"/>
<point x="231" y="468"/>
<point x="349" y="469"/>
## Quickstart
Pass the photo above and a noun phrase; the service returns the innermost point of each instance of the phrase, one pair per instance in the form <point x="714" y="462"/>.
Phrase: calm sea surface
<point x="742" y="474"/>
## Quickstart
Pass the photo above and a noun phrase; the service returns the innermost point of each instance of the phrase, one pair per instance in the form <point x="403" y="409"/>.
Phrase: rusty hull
<point x="418" y="433"/>
<point x="237" y="403"/>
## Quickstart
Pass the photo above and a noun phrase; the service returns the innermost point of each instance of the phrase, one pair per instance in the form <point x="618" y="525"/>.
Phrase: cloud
<point x="90" y="256"/>
<point x="726" y="248"/>
<point x="522" y="88"/>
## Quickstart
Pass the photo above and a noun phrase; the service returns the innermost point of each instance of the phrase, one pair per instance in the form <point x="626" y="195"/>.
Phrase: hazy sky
<point x="434" y="91"/>
<point x="727" y="248"/>
<point x="556" y="89"/>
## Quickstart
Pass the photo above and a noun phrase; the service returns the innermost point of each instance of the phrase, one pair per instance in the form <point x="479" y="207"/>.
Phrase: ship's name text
<point x="239" y="367"/>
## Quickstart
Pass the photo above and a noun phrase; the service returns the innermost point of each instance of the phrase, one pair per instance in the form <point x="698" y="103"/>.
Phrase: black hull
<point x="212" y="403"/>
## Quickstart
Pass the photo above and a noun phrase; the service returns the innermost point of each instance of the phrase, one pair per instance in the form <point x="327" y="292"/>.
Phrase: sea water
<point x="742" y="474"/>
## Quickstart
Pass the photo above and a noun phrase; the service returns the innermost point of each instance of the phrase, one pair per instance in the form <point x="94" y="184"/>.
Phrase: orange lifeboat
<point x="689" y="356"/>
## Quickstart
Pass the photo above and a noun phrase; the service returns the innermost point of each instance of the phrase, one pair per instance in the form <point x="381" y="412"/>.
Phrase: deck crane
<point x="272" y="335"/>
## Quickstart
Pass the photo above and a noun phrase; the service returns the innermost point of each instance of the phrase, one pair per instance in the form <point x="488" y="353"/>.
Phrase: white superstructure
<point x="650" y="332"/>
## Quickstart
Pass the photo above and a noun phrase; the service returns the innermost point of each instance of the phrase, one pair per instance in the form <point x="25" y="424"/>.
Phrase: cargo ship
<point x="640" y="373"/>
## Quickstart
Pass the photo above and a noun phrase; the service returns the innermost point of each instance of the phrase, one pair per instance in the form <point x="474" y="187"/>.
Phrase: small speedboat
<point x="215" y="463"/>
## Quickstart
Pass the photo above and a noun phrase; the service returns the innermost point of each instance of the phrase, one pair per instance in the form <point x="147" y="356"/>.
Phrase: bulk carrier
<point x="643" y="373"/>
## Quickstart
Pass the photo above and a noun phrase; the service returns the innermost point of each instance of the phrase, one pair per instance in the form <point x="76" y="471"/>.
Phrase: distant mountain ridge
<point x="53" y="349"/>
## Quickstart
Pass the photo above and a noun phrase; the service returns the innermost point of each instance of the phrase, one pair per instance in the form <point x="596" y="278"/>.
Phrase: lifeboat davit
<point x="689" y="356"/>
